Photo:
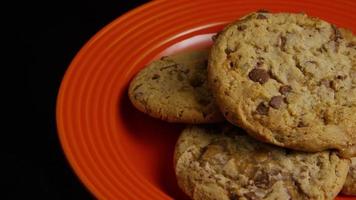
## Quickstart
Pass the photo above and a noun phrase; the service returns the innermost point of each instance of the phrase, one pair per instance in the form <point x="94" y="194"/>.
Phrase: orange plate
<point x="118" y="152"/>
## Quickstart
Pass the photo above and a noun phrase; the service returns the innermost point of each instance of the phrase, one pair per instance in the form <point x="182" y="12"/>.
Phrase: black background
<point x="47" y="35"/>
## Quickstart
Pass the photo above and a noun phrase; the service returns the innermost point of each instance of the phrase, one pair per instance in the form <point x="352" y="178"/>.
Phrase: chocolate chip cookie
<point x="350" y="184"/>
<point x="224" y="163"/>
<point x="175" y="89"/>
<point x="288" y="79"/>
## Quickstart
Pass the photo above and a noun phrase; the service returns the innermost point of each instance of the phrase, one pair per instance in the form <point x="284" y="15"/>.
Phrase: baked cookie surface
<point x="175" y="89"/>
<point x="227" y="164"/>
<point x="350" y="184"/>
<point x="288" y="79"/>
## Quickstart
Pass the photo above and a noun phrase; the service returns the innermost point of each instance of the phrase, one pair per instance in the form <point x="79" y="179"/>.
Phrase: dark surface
<point x="49" y="34"/>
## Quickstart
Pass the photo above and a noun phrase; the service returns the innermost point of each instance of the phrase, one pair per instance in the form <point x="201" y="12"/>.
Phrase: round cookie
<point x="350" y="184"/>
<point x="288" y="79"/>
<point x="175" y="89"/>
<point x="226" y="164"/>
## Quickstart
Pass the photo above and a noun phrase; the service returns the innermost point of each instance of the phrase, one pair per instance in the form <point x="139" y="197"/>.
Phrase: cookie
<point x="288" y="79"/>
<point x="227" y="164"/>
<point x="350" y="184"/>
<point x="175" y="89"/>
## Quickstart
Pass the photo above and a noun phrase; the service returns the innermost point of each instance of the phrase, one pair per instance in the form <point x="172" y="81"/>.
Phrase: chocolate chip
<point x="285" y="89"/>
<point x="260" y="16"/>
<point x="276" y="102"/>
<point x="155" y="76"/>
<point x="262" y="109"/>
<point x="241" y="27"/>
<point x="259" y="75"/>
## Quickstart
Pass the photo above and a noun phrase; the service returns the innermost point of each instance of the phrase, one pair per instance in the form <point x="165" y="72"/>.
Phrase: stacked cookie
<point x="287" y="85"/>
<point x="175" y="89"/>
